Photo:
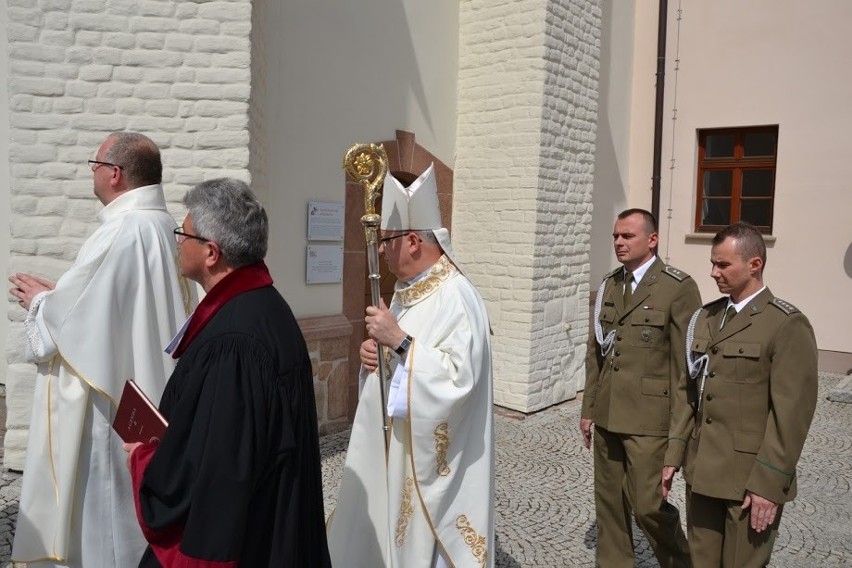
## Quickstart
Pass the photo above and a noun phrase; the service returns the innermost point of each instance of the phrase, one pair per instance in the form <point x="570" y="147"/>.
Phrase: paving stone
<point x="544" y="511"/>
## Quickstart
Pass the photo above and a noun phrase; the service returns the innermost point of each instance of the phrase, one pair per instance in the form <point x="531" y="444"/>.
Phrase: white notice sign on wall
<point x="325" y="221"/>
<point x="324" y="264"/>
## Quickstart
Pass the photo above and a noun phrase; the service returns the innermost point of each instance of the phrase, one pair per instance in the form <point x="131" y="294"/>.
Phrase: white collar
<point x="145" y="197"/>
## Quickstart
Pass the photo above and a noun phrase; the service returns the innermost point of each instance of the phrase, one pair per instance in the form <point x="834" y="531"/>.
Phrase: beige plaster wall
<point x="762" y="62"/>
<point x="624" y="146"/>
<point x="336" y="73"/>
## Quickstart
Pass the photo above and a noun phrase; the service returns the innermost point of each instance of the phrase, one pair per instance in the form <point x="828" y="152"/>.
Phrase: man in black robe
<point x="236" y="479"/>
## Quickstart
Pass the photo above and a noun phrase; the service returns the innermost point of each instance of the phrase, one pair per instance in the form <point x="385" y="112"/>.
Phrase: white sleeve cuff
<point x="39" y="346"/>
<point x="398" y="392"/>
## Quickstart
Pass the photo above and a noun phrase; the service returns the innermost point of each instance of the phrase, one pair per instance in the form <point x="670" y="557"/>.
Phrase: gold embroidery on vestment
<point x="477" y="544"/>
<point x="439" y="272"/>
<point x="405" y="512"/>
<point x="442" y="442"/>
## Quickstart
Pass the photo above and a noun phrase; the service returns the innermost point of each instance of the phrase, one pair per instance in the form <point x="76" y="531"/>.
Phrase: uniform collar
<point x="640" y="272"/>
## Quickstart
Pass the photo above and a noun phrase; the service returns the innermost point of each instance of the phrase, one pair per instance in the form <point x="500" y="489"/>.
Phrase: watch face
<point x="403" y="347"/>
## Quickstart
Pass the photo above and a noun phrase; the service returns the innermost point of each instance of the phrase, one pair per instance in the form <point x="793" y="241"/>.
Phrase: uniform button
<point x="709" y="397"/>
<point x="615" y="368"/>
<point x="715" y="350"/>
<point x="712" y="373"/>
<point x="646" y="320"/>
<point x="618" y="338"/>
<point x="617" y="353"/>
<point x="709" y="420"/>
<point x="741" y="350"/>
<point x="665" y="391"/>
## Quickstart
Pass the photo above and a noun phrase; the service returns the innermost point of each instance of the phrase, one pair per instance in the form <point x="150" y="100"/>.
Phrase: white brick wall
<point x="523" y="185"/>
<point x="176" y="71"/>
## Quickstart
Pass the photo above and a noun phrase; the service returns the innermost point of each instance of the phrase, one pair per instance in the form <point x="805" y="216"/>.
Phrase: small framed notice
<point x="325" y="221"/>
<point x="324" y="264"/>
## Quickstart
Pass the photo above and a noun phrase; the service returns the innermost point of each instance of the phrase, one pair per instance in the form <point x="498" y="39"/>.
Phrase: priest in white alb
<point x="106" y="320"/>
<point x="429" y="500"/>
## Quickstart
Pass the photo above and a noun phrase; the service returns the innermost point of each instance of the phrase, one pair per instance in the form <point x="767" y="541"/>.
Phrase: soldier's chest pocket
<point x="647" y="328"/>
<point x="742" y="361"/>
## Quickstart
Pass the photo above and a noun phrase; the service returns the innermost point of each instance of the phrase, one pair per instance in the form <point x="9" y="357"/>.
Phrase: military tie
<point x="729" y="315"/>
<point x="628" y="288"/>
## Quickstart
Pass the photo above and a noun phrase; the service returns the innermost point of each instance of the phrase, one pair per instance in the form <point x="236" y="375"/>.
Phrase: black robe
<point x="238" y="468"/>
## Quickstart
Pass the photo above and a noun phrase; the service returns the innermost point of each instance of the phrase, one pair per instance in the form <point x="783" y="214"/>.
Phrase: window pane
<point x="759" y="143"/>
<point x="717" y="183"/>
<point x="716" y="212"/>
<point x="757" y="183"/>
<point x="719" y="145"/>
<point x="757" y="212"/>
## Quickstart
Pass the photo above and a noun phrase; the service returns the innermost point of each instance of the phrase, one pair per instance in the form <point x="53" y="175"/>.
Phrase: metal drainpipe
<point x="658" y="111"/>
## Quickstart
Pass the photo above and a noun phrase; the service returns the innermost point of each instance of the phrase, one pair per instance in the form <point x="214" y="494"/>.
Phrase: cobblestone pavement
<point x="545" y="508"/>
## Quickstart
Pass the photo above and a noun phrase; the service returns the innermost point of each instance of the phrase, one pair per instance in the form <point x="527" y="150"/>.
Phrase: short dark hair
<point x="748" y="241"/>
<point x="650" y="220"/>
<point x="226" y="212"/>
<point x="138" y="157"/>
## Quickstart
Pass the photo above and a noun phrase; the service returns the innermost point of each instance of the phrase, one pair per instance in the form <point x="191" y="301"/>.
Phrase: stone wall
<point x="522" y="198"/>
<point x="176" y="71"/>
<point x="328" y="345"/>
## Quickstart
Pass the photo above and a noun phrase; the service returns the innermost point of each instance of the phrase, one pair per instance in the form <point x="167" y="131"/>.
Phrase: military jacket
<point x="628" y="391"/>
<point x="758" y="400"/>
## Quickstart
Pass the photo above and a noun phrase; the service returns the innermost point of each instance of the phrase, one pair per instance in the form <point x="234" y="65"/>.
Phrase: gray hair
<point x="138" y="157"/>
<point x="226" y="212"/>
<point x="427" y="237"/>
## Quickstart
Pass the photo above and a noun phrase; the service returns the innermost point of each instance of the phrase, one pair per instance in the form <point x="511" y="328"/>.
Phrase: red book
<point x="137" y="419"/>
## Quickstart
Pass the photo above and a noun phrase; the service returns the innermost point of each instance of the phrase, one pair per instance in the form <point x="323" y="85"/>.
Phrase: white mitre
<point x="415" y="208"/>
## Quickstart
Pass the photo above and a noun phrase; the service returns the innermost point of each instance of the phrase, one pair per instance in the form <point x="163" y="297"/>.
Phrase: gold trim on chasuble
<point x="405" y="512"/>
<point x="442" y="442"/>
<point x="471" y="538"/>
<point x="438" y="274"/>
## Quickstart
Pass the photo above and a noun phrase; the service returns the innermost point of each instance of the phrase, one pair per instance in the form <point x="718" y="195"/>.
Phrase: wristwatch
<point x="403" y="347"/>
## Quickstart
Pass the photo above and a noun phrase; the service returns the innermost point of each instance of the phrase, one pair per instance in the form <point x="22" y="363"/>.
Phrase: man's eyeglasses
<point x="383" y="240"/>
<point x="181" y="235"/>
<point x="95" y="164"/>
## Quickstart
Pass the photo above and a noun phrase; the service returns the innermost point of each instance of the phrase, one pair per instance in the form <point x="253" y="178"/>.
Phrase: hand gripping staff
<point x="367" y="164"/>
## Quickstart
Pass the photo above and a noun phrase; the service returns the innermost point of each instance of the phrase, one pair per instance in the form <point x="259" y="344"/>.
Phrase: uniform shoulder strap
<point x="784" y="306"/>
<point x="675" y="273"/>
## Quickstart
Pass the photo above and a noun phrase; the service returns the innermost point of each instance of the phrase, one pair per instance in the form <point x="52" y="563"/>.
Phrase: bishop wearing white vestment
<point x="105" y="321"/>
<point x="432" y="506"/>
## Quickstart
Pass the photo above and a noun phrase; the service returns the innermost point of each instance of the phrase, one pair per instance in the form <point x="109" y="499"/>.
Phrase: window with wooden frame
<point x="736" y="177"/>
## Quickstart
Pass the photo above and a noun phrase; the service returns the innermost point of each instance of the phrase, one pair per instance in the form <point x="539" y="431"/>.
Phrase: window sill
<point x="692" y="237"/>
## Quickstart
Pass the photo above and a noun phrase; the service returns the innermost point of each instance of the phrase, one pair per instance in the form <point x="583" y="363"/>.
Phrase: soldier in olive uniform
<point x="633" y="363"/>
<point x="753" y="382"/>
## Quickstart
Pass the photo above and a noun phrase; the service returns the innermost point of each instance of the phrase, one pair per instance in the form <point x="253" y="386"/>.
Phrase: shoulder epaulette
<point x="678" y="275"/>
<point x="784" y="306"/>
<point x="612" y="273"/>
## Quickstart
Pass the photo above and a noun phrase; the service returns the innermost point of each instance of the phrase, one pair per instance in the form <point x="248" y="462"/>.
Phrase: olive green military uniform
<point x="756" y="407"/>
<point x="627" y="396"/>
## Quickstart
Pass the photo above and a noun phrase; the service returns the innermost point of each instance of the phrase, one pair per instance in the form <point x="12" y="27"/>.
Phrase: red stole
<point x="240" y="280"/>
